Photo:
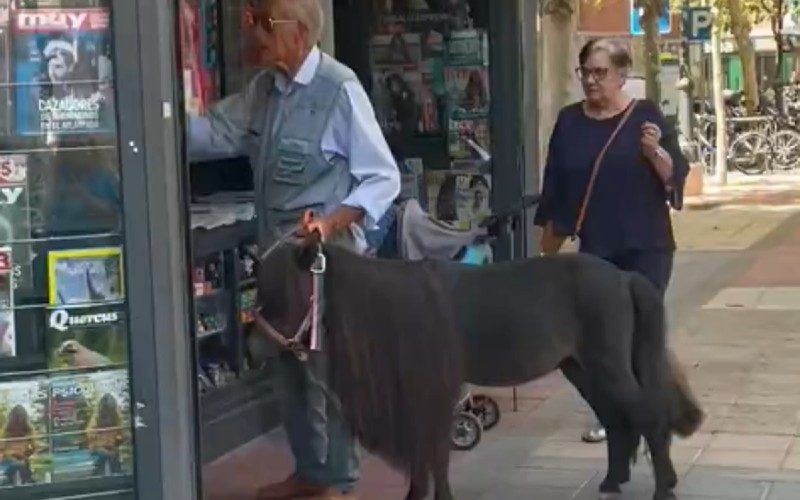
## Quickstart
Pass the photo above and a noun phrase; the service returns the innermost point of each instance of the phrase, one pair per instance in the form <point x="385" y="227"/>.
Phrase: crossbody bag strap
<point x="596" y="168"/>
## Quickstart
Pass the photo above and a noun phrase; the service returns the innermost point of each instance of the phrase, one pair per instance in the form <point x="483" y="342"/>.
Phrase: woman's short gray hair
<point x="617" y="52"/>
<point x="309" y="13"/>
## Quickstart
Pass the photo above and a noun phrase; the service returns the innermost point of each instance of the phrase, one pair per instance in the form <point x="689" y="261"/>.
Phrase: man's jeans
<point x="324" y="451"/>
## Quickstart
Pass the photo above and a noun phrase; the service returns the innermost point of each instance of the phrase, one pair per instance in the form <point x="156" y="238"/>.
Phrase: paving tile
<point x="745" y="442"/>
<point x="753" y="419"/>
<point x="551" y="463"/>
<point x="697" y="440"/>
<point x="735" y="298"/>
<point x="713" y="482"/>
<point x="549" y="478"/>
<point x="791" y="462"/>
<point x="742" y="458"/>
<point x="640" y="487"/>
<point x="508" y="492"/>
<point x="780" y="298"/>
<point x="684" y="455"/>
<point x="570" y="449"/>
<point x="784" y="491"/>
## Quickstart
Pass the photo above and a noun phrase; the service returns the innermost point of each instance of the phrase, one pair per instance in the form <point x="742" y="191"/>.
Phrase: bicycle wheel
<point x="750" y="153"/>
<point x="786" y="150"/>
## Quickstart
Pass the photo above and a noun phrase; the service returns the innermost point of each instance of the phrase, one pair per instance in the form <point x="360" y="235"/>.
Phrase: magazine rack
<point x="243" y="407"/>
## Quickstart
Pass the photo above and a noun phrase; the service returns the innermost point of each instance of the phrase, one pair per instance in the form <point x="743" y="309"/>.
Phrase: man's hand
<point x="330" y="225"/>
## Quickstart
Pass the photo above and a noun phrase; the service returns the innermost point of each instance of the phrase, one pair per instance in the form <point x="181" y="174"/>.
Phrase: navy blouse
<point x="628" y="208"/>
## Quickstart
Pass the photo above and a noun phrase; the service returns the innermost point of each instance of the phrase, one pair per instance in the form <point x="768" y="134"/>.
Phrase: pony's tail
<point x="656" y="367"/>
<point x="686" y="417"/>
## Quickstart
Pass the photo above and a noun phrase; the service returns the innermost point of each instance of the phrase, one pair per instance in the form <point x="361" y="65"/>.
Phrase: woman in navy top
<point x="627" y="220"/>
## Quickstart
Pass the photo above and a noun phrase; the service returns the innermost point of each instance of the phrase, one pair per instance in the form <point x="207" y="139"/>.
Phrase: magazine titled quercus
<point x="86" y="337"/>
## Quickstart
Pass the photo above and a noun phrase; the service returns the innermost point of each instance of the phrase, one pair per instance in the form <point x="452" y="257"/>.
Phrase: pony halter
<point x="312" y="322"/>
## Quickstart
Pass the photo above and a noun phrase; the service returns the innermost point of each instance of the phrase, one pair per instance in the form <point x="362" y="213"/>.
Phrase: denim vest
<point x="291" y="172"/>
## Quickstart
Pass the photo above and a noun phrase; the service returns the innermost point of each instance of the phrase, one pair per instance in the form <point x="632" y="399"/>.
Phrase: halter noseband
<point x="312" y="322"/>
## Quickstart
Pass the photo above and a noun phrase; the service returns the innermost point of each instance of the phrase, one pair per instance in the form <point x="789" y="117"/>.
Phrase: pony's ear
<point x="306" y="252"/>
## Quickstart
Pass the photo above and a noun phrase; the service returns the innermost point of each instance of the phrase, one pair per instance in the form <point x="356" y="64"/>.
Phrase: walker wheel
<point x="487" y="410"/>
<point x="466" y="432"/>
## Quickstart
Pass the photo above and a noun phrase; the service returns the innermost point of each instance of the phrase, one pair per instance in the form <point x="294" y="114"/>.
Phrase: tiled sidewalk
<point x="743" y="365"/>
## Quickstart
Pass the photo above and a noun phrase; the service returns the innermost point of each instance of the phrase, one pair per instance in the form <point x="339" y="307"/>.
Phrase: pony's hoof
<point x="610" y="487"/>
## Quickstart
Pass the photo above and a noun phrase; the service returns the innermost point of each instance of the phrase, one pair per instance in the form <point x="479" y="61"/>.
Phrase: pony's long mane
<point x="395" y="356"/>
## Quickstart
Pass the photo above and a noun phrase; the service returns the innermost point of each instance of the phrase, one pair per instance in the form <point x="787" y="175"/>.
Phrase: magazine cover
<point x="91" y="425"/>
<point x="468" y="47"/>
<point x="429" y="104"/>
<point x="396" y="49"/>
<point x="396" y="98"/>
<point x="5" y="75"/>
<point x="200" y="53"/>
<point x="87" y="276"/>
<point x="74" y="193"/>
<point x="419" y="14"/>
<point x="24" y="444"/>
<point x="14" y="199"/>
<point x="469" y="139"/>
<point x="90" y="337"/>
<point x="62" y="61"/>
<point x="411" y="179"/>
<point x="8" y="340"/>
<point x="468" y="90"/>
<point x="459" y="197"/>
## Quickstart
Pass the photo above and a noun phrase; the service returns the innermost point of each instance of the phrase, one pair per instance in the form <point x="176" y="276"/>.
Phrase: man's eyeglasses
<point x="597" y="74"/>
<point x="253" y="18"/>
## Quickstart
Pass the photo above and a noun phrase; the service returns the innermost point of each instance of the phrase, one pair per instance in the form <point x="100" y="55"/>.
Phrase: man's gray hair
<point x="309" y="13"/>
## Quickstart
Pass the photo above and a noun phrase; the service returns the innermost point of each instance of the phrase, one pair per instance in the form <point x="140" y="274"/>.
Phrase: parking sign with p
<point x="697" y="23"/>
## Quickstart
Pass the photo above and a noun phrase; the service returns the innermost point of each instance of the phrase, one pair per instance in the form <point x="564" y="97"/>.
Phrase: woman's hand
<point x="651" y="137"/>
<point x="655" y="154"/>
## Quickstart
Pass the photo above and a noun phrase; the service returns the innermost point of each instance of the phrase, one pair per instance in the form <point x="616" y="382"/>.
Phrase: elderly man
<point x="314" y="144"/>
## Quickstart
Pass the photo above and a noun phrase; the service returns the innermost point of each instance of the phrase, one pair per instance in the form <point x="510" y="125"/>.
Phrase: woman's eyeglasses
<point x="252" y="18"/>
<point x="597" y="74"/>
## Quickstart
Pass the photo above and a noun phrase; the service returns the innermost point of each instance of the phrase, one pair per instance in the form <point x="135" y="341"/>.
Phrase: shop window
<point x="426" y="68"/>
<point x="65" y="418"/>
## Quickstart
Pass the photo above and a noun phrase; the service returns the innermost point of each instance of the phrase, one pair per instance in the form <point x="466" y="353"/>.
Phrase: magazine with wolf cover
<point x="91" y="432"/>
<point x="85" y="276"/>
<point x="459" y="197"/>
<point x="63" y="65"/>
<point x="86" y="337"/>
<point x="8" y="338"/>
<point x="24" y="443"/>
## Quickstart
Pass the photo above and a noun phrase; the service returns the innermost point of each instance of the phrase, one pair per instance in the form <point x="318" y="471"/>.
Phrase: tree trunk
<point x="740" y="28"/>
<point x="651" y="36"/>
<point x="559" y="58"/>
<point x="776" y="23"/>
<point x="720" y="165"/>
